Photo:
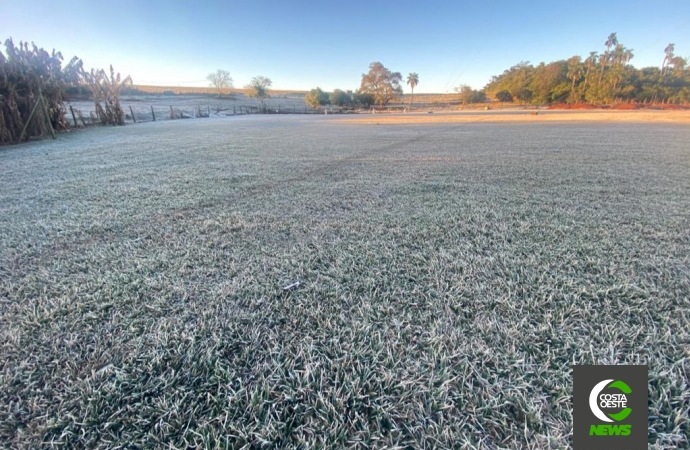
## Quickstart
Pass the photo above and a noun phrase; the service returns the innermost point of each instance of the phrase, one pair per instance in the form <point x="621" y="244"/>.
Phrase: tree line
<point x="600" y="78"/>
<point x="378" y="86"/>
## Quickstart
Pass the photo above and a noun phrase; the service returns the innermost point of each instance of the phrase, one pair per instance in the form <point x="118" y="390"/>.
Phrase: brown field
<point x="418" y="98"/>
<point x="206" y="90"/>
<point x="610" y="116"/>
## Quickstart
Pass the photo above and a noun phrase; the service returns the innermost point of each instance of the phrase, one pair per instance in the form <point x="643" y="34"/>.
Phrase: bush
<point x="340" y="98"/>
<point x="504" y="96"/>
<point x="33" y="81"/>
<point x="316" y="97"/>
<point x="363" y="99"/>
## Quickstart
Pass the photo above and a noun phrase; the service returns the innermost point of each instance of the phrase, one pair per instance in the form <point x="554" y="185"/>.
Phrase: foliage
<point x="106" y="95"/>
<point x="340" y="98"/>
<point x="380" y="82"/>
<point x="468" y="95"/>
<point x="503" y="96"/>
<point x="549" y="83"/>
<point x="258" y="88"/>
<point x="575" y="73"/>
<point x="363" y="99"/>
<point x="600" y="79"/>
<point x="316" y="97"/>
<point x="220" y="80"/>
<point x="27" y="75"/>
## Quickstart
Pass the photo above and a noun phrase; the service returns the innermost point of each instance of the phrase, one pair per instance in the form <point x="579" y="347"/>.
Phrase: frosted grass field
<point x="443" y="279"/>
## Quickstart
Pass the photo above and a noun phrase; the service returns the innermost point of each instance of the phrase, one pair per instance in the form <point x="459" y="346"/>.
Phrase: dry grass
<point x="208" y="90"/>
<point x="442" y="281"/>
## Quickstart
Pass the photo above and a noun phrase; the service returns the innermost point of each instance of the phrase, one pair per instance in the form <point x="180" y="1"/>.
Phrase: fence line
<point x="151" y="113"/>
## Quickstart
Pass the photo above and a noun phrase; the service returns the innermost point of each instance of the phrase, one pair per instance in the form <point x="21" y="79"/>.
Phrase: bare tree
<point x="220" y="80"/>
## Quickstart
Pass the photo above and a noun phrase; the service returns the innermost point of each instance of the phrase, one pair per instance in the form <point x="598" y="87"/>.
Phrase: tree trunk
<point x="572" y="91"/>
<point x="603" y="66"/>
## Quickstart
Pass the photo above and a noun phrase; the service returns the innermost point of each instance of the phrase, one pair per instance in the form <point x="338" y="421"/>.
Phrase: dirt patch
<point x="620" y="107"/>
<point x="607" y="116"/>
<point x="573" y="106"/>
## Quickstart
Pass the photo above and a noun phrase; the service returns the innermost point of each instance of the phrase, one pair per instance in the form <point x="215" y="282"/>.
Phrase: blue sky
<point x="304" y="44"/>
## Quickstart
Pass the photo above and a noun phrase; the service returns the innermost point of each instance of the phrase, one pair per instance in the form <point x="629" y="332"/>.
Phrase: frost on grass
<point x="449" y="276"/>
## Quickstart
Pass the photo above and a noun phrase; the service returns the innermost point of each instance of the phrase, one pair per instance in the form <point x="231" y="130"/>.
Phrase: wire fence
<point x="153" y="113"/>
<point x="81" y="115"/>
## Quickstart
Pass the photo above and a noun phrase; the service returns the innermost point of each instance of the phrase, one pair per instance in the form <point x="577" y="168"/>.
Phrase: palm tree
<point x="413" y="81"/>
<point x="620" y="57"/>
<point x="590" y="62"/>
<point x="670" y="48"/>
<point x="612" y="41"/>
<point x="575" y="70"/>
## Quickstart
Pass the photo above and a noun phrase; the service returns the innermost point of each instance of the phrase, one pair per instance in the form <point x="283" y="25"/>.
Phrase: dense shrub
<point x="340" y="98"/>
<point x="316" y="97"/>
<point x="32" y="89"/>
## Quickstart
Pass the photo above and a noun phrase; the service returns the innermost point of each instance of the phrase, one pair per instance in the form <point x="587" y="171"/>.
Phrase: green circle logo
<point x="598" y="400"/>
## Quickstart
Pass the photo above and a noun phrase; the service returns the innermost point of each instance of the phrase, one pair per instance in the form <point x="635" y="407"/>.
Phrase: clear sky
<point x="330" y="43"/>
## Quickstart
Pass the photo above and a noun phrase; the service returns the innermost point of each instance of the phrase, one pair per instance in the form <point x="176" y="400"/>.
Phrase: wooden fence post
<point x="26" y="124"/>
<point x="153" y="113"/>
<point x="47" y="113"/>
<point x="73" y="116"/>
<point x="133" y="118"/>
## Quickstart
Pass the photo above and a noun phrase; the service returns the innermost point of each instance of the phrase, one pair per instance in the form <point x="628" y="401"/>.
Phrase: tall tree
<point x="220" y="80"/>
<point x="612" y="41"/>
<point x="590" y="63"/>
<point x="620" y="58"/>
<point x="668" y="51"/>
<point x="575" y="70"/>
<point x="380" y="82"/>
<point x="413" y="81"/>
